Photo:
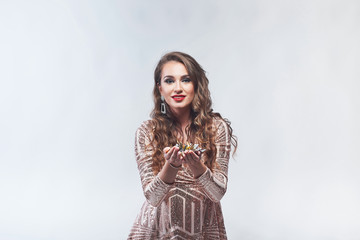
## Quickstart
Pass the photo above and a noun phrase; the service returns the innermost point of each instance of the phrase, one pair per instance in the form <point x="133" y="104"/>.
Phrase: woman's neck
<point x="183" y="118"/>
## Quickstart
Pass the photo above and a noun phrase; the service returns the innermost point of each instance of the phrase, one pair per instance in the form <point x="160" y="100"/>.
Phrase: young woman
<point x="182" y="185"/>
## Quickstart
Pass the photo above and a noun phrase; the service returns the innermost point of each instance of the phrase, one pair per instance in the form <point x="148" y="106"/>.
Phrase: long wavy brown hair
<point x="166" y="129"/>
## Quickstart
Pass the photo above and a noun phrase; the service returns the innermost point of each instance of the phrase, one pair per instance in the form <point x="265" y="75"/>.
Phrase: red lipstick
<point x="178" y="98"/>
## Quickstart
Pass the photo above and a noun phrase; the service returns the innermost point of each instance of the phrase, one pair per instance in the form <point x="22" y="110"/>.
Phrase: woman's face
<point x="176" y="86"/>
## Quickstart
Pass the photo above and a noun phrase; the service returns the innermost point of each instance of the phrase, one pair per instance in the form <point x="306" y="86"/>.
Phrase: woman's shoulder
<point x="145" y="127"/>
<point x="222" y="127"/>
<point x="219" y="122"/>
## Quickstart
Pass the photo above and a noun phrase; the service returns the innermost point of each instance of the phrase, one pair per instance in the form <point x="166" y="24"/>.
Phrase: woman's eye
<point x="186" y="80"/>
<point x="168" y="80"/>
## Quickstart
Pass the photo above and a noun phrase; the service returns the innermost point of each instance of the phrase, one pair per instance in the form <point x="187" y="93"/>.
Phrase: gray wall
<point x="76" y="82"/>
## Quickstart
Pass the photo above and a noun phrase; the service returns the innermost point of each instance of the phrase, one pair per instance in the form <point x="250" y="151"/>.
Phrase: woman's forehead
<point x="173" y="68"/>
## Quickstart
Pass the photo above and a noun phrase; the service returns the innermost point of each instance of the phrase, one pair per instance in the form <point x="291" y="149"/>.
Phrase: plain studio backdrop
<point x="76" y="82"/>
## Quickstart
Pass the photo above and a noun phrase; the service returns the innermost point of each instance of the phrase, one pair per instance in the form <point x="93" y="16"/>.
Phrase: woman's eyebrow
<point x="168" y="76"/>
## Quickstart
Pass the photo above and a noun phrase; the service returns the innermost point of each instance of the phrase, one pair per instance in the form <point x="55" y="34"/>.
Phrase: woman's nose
<point x="178" y="86"/>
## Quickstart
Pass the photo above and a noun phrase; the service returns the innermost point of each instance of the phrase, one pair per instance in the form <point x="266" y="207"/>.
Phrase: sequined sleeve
<point x="214" y="183"/>
<point x="154" y="188"/>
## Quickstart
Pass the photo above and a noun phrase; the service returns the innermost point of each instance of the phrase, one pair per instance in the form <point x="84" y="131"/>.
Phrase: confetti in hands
<point x="189" y="146"/>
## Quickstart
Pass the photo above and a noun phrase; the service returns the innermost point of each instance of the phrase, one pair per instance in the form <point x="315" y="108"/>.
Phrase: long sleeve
<point x="214" y="183"/>
<point x="154" y="188"/>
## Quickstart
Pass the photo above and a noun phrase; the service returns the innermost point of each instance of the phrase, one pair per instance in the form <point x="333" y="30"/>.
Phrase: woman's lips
<point x="178" y="98"/>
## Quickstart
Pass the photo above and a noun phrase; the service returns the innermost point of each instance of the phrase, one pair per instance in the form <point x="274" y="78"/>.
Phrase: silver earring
<point x="162" y="106"/>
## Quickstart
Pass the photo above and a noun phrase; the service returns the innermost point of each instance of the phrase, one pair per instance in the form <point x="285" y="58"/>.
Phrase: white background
<point x="76" y="80"/>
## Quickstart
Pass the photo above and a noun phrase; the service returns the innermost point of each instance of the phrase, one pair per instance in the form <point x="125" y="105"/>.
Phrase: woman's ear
<point x="160" y="89"/>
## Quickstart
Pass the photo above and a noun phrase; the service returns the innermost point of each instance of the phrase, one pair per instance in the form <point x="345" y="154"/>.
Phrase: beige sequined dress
<point x="189" y="208"/>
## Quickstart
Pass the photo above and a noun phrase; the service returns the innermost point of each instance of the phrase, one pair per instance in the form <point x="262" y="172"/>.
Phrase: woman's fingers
<point x="166" y="150"/>
<point x="198" y="153"/>
<point x="174" y="153"/>
<point x="175" y="159"/>
<point x="168" y="153"/>
<point x="191" y="157"/>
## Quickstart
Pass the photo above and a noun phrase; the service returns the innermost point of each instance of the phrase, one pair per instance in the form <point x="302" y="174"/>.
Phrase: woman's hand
<point x="195" y="164"/>
<point x="191" y="158"/>
<point x="172" y="165"/>
<point x="173" y="156"/>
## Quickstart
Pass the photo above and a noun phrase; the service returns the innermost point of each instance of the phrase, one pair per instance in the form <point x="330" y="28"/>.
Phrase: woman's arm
<point x="154" y="187"/>
<point x="214" y="183"/>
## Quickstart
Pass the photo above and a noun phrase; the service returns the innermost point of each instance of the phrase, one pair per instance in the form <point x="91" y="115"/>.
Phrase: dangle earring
<point x="162" y="106"/>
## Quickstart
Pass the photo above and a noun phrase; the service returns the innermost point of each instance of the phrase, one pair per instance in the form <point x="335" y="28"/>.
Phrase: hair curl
<point x="201" y="130"/>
